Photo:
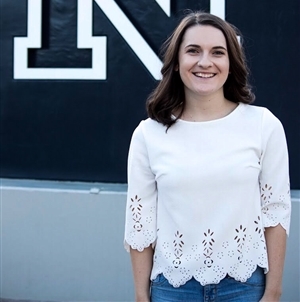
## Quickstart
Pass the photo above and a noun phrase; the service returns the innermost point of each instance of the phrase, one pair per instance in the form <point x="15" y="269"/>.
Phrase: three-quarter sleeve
<point x="274" y="176"/>
<point x="140" y="225"/>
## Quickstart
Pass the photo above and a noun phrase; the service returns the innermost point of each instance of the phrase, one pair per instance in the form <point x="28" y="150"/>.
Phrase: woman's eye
<point x="219" y="53"/>
<point x="192" y="50"/>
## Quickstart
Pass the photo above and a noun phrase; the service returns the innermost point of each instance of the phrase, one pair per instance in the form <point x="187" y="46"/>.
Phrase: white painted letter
<point x="85" y="40"/>
<point x="131" y="36"/>
<point x="165" y="5"/>
<point x="217" y="7"/>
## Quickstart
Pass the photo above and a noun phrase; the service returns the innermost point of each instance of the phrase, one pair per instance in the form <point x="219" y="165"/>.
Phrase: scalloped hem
<point x="203" y="283"/>
<point x="270" y="224"/>
<point x="127" y="246"/>
<point x="250" y="275"/>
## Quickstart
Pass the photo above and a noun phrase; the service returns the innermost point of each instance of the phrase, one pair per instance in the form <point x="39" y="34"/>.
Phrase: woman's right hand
<point x="143" y="300"/>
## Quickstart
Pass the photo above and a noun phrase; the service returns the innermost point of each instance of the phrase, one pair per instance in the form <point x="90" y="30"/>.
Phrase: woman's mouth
<point x="204" y="75"/>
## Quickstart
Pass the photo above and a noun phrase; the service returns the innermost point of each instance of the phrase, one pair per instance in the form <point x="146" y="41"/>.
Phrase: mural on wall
<point x="75" y="75"/>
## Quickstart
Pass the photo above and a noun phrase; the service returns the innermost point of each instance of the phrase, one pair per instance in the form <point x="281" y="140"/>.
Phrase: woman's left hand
<point x="270" y="298"/>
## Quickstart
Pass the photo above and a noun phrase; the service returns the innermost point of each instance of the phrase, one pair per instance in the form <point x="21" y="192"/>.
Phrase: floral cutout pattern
<point x="136" y="209"/>
<point x="266" y="193"/>
<point x="241" y="253"/>
<point x="207" y="248"/>
<point x="237" y="250"/>
<point x="240" y="239"/>
<point x="258" y="230"/>
<point x="178" y="249"/>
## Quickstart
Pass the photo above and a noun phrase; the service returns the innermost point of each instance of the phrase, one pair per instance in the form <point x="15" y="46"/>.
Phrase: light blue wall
<point x="64" y="242"/>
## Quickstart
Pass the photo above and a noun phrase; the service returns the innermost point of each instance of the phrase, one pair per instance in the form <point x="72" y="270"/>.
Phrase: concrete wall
<point x="64" y="242"/>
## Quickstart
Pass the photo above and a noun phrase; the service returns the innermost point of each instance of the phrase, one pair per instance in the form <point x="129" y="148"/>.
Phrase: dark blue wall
<point x="81" y="129"/>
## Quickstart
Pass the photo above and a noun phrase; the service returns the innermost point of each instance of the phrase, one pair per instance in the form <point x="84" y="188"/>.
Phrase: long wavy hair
<point x="169" y="93"/>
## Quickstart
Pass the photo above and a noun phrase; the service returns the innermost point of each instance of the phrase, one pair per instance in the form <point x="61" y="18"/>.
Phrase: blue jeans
<point x="227" y="290"/>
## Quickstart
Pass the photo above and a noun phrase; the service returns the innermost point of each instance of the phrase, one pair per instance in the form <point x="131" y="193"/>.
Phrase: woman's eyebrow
<point x="193" y="45"/>
<point x="219" y="47"/>
<point x="198" y="46"/>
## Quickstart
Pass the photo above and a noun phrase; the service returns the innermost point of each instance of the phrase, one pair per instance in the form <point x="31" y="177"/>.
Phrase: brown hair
<point x="169" y="93"/>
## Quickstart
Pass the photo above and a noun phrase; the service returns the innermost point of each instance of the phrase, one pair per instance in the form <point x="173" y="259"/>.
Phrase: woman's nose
<point x="204" y="61"/>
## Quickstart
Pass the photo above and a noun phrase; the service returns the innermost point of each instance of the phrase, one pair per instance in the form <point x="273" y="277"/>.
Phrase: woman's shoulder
<point x="252" y="109"/>
<point x="260" y="112"/>
<point x="261" y="117"/>
<point x="148" y="126"/>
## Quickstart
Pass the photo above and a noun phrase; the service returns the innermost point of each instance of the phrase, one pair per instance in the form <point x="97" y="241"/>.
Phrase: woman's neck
<point x="206" y="109"/>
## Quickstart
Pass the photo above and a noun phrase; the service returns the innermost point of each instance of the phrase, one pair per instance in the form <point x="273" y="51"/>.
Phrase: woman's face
<point x="203" y="61"/>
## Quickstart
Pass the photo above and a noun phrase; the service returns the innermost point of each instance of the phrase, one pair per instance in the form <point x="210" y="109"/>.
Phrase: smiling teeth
<point x="204" y="75"/>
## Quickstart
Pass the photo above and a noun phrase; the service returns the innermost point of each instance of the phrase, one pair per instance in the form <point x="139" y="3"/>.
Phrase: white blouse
<point x="202" y="193"/>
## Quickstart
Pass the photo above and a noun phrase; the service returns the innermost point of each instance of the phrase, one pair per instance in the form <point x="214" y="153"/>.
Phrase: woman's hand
<point x="271" y="297"/>
<point x="143" y="300"/>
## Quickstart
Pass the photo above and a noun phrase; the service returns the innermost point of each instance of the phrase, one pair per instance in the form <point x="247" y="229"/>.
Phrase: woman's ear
<point x="176" y="67"/>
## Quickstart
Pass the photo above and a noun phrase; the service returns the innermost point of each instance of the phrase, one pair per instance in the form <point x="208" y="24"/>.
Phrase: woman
<point x="208" y="205"/>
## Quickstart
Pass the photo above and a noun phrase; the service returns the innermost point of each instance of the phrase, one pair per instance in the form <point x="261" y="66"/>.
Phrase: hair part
<point x="169" y="93"/>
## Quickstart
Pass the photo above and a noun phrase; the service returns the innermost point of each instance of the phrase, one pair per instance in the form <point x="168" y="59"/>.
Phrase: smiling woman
<point x="207" y="39"/>
<point x="208" y="205"/>
<point x="203" y="66"/>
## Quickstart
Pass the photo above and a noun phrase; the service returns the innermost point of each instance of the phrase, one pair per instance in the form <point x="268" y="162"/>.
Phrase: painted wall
<point x="75" y="75"/>
<point x="64" y="242"/>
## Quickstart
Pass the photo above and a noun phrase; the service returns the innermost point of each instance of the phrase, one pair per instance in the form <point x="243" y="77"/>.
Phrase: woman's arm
<point x="276" y="245"/>
<point x="276" y="204"/>
<point x="141" y="266"/>
<point x="141" y="223"/>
